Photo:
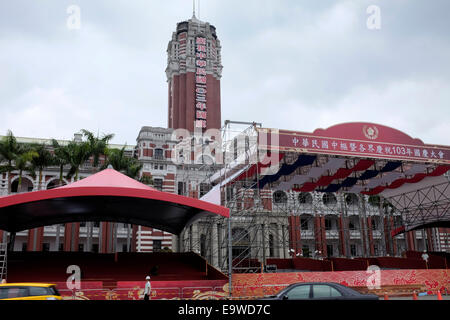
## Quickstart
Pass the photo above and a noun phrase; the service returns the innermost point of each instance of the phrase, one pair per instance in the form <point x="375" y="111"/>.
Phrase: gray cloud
<point x="289" y="64"/>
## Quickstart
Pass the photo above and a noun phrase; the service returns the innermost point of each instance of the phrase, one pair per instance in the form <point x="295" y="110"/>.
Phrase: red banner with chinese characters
<point x="366" y="140"/>
<point x="200" y="82"/>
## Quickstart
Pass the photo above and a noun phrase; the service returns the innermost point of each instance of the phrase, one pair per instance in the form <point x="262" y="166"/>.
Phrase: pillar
<point x="370" y="237"/>
<point x="320" y="235"/>
<point x="295" y="234"/>
<point x="429" y="240"/>
<point x="342" y="235"/>
<point x="35" y="239"/>
<point x="214" y="245"/>
<point x="410" y="238"/>
<point x="106" y="237"/>
<point x="363" y="236"/>
<point x="387" y="235"/>
<point x="71" y="236"/>
<point x="134" y="238"/>
<point x="393" y="239"/>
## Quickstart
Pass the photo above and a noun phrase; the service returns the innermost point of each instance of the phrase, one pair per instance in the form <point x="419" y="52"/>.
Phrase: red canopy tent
<point x="105" y="196"/>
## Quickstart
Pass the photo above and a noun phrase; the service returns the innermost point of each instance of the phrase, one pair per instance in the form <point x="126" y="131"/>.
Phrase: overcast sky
<point x="296" y="65"/>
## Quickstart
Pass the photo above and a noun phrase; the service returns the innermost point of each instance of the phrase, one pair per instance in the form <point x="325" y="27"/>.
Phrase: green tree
<point x="23" y="162"/>
<point x="61" y="157"/>
<point x="78" y="154"/>
<point x="43" y="159"/>
<point x="9" y="149"/>
<point x="120" y="162"/>
<point x="97" y="145"/>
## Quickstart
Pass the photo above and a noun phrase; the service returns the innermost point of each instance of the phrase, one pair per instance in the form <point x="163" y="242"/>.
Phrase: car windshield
<point x="53" y="291"/>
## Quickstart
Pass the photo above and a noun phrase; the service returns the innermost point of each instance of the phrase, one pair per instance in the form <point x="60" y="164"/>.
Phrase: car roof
<point x="26" y="284"/>
<point x="332" y="283"/>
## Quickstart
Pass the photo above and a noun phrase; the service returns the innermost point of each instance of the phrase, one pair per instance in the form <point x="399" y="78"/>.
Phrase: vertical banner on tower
<point x="200" y="82"/>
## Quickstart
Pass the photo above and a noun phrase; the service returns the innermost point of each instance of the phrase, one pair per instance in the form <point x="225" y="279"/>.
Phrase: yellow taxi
<point x="29" y="291"/>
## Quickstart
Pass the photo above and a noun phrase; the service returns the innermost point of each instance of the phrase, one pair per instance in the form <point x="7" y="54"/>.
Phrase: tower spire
<point x="193" y="8"/>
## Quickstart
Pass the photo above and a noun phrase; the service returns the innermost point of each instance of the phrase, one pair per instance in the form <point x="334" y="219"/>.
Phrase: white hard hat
<point x="147" y="278"/>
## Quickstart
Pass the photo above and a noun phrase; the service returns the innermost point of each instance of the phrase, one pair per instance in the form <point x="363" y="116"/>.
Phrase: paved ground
<point x="428" y="297"/>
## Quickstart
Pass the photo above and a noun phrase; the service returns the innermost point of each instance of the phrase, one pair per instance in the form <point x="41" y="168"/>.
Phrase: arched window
<point x="351" y="199"/>
<point x="329" y="199"/>
<point x="305" y="198"/>
<point x="280" y="197"/>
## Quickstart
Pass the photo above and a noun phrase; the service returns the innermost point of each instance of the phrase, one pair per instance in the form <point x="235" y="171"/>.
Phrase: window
<point x="375" y="250"/>
<point x="305" y="198"/>
<point x="299" y="292"/>
<point x="81" y="247"/>
<point x="279" y="197"/>
<point x="305" y="251"/>
<point x="204" y="188"/>
<point x="329" y="199"/>
<point x="325" y="291"/>
<point x="329" y="250"/>
<point x="303" y="224"/>
<point x="351" y="225"/>
<point x="328" y="224"/>
<point x="38" y="291"/>
<point x="8" y="292"/>
<point x="24" y="246"/>
<point x="82" y="224"/>
<point x="182" y="188"/>
<point x="157" y="183"/>
<point x="374" y="224"/>
<point x="353" y="250"/>
<point x="3" y="293"/>
<point x="96" y="224"/>
<point x="124" y="247"/>
<point x="95" y="247"/>
<point x="156" y="245"/>
<point x="351" y="199"/>
<point x="46" y="247"/>
<point x="61" y="247"/>
<point x="159" y="154"/>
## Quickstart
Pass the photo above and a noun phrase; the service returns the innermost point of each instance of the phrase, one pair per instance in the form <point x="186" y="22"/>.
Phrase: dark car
<point x="320" y="291"/>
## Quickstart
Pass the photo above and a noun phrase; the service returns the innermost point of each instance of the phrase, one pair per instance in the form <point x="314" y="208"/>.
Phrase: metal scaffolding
<point x="259" y="225"/>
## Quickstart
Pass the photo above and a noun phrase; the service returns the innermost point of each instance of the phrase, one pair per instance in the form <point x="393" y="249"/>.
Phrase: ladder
<point x="3" y="260"/>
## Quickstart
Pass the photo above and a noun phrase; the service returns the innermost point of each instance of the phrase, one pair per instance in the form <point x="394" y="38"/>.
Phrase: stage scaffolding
<point x="256" y="232"/>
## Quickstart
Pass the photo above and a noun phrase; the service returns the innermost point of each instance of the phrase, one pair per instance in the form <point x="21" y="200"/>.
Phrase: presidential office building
<point x="263" y="227"/>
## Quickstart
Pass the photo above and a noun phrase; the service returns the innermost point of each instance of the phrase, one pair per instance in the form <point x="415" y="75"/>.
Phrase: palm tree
<point x="61" y="157"/>
<point x="9" y="149"/>
<point x="120" y="162"/>
<point x="43" y="159"/>
<point x="23" y="162"/>
<point x="97" y="146"/>
<point x="78" y="154"/>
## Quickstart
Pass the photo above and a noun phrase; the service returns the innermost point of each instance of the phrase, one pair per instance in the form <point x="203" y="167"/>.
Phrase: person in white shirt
<point x="148" y="289"/>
